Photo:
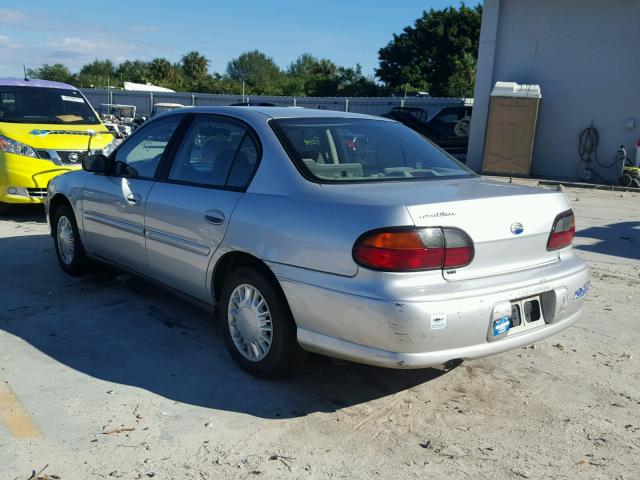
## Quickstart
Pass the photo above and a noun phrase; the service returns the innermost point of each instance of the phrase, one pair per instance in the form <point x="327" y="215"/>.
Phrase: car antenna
<point x="24" y="69"/>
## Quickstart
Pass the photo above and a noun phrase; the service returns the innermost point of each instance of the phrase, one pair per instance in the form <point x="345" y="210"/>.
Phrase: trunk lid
<point x="488" y="211"/>
<point x="509" y="225"/>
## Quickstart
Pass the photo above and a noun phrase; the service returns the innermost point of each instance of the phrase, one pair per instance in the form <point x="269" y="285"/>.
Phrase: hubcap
<point x="250" y="322"/>
<point x="66" y="240"/>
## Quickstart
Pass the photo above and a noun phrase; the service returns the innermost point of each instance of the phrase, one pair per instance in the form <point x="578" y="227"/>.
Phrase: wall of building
<point x="585" y="55"/>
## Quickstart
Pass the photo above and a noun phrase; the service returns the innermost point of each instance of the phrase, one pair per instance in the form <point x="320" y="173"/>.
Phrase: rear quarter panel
<point x="307" y="232"/>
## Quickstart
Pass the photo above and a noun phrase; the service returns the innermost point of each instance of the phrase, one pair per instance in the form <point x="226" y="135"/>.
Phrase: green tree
<point x="303" y="66"/>
<point x="159" y="70"/>
<point x="216" y="83"/>
<point x="292" y="85"/>
<point x="258" y="71"/>
<point x="56" y="72"/>
<point x="462" y="80"/>
<point x="134" y="71"/>
<point x="308" y="75"/>
<point x="195" y="65"/>
<point x="437" y="54"/>
<point x="99" y="68"/>
<point x="177" y="80"/>
<point x="325" y="68"/>
<point x="99" y="73"/>
<point x="352" y="82"/>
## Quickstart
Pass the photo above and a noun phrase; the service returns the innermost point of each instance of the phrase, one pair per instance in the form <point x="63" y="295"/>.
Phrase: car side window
<point x="244" y="164"/>
<point x="451" y="115"/>
<point x="215" y="152"/>
<point x="140" y="155"/>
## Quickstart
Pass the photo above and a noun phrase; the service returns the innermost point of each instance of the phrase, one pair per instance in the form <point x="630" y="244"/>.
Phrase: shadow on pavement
<point x="121" y="329"/>
<point x="23" y="213"/>
<point x="618" y="239"/>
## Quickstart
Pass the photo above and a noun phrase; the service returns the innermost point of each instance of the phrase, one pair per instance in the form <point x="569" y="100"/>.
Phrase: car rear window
<point x="363" y="150"/>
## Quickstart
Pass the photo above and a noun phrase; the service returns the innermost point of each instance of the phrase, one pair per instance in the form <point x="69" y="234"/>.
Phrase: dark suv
<point x="448" y="128"/>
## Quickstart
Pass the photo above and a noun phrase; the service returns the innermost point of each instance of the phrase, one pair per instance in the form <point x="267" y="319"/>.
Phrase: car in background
<point x="447" y="127"/>
<point x="45" y="130"/>
<point x="342" y="234"/>
<point x="120" y="119"/>
<point x="159" y="108"/>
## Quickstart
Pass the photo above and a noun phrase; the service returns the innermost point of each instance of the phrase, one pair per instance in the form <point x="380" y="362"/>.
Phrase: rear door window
<point x="216" y="152"/>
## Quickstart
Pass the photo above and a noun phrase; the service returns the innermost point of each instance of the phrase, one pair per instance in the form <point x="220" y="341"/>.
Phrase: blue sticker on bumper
<point x="502" y="325"/>
<point x="582" y="291"/>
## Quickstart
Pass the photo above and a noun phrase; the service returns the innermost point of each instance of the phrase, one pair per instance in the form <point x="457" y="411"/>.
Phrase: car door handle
<point x="133" y="199"/>
<point x="214" y="216"/>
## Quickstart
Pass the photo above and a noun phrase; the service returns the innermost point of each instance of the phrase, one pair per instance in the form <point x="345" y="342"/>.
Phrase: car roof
<point x="34" y="82"/>
<point x="247" y="113"/>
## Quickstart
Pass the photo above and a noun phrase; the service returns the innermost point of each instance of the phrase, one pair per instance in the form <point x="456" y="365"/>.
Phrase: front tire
<point x="68" y="245"/>
<point x="257" y="325"/>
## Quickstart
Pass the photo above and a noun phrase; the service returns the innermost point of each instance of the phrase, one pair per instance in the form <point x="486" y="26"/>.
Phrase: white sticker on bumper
<point x="438" y="321"/>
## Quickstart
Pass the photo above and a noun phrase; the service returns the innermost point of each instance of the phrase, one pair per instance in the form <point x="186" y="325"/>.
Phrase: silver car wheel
<point x="250" y="323"/>
<point x="66" y="240"/>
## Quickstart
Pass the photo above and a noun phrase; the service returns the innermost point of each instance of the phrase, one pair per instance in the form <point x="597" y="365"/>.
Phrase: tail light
<point x="413" y="249"/>
<point x="563" y="231"/>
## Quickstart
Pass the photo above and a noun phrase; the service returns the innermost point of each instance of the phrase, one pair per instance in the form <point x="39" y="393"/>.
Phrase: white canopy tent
<point x="145" y="87"/>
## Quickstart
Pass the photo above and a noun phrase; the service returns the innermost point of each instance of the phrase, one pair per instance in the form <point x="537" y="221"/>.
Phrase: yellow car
<point x="46" y="128"/>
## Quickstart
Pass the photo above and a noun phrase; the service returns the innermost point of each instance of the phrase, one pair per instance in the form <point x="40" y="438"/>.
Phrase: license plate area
<point x="526" y="313"/>
<point x="511" y="318"/>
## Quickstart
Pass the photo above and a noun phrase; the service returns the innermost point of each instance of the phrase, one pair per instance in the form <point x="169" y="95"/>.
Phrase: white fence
<point x="369" y="105"/>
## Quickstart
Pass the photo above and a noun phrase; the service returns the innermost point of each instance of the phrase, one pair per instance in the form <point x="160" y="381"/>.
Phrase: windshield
<point x="363" y="150"/>
<point x="44" y="105"/>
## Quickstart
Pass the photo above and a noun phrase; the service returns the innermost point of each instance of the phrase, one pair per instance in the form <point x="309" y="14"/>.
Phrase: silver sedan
<point x="342" y="234"/>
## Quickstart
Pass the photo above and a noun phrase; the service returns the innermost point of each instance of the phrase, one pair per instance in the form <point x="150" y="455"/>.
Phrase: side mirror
<point x="95" y="163"/>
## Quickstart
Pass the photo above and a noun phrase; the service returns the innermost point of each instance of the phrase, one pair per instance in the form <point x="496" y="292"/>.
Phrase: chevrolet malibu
<point x="336" y="233"/>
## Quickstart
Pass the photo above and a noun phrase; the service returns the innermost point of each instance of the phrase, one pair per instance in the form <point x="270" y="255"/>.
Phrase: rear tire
<point x="257" y="325"/>
<point x="68" y="245"/>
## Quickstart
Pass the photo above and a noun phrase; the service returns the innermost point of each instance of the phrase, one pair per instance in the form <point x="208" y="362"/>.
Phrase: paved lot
<point x="106" y="376"/>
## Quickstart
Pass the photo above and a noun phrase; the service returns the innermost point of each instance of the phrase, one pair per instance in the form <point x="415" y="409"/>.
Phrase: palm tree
<point x="195" y="65"/>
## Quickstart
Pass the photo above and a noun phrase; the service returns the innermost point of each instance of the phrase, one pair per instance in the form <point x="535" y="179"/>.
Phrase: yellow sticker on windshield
<point x="69" y="118"/>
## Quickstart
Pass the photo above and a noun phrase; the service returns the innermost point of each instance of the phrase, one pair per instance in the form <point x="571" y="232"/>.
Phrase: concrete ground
<point x="106" y="376"/>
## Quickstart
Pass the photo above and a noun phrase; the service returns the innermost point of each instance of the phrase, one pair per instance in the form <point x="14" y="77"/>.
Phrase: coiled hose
<point x="588" y="143"/>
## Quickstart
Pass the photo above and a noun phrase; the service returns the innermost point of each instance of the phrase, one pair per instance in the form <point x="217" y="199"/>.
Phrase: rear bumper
<point x="335" y="347"/>
<point x="402" y="334"/>
<point x="24" y="180"/>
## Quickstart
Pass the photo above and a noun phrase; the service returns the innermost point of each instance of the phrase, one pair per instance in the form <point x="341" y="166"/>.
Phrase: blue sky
<point x="72" y="32"/>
